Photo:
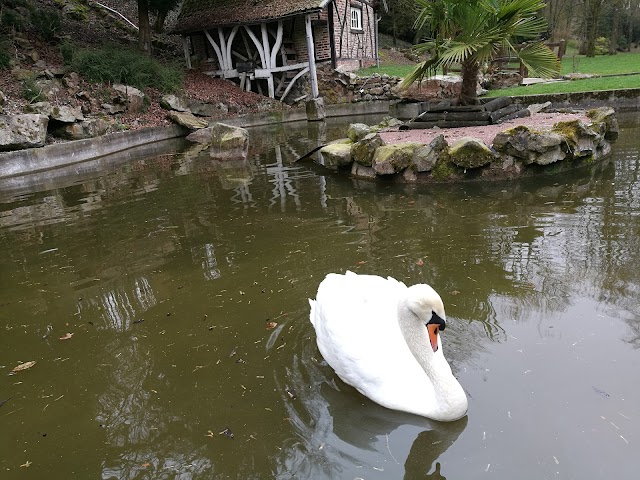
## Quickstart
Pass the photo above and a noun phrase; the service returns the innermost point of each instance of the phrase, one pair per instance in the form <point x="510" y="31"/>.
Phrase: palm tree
<point x="472" y="32"/>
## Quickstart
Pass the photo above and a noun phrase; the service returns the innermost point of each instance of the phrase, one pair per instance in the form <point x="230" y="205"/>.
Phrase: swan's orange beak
<point x="433" y="336"/>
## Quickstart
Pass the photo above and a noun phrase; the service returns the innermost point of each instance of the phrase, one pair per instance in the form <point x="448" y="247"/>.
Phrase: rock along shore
<point x="521" y="148"/>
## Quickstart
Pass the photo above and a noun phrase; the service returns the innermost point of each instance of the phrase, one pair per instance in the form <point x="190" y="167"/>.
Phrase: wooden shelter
<point x="267" y="45"/>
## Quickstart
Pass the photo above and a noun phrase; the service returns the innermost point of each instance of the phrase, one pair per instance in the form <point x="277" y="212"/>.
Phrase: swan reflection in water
<point x="339" y="433"/>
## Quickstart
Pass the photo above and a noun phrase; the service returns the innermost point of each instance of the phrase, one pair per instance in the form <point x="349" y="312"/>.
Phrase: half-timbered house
<point x="267" y="45"/>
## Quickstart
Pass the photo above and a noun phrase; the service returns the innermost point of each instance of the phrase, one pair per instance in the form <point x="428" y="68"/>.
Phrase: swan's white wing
<point x="355" y="318"/>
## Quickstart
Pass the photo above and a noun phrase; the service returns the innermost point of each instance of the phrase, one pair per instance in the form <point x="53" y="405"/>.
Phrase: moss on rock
<point x="390" y="159"/>
<point x="469" y="152"/>
<point x="336" y="155"/>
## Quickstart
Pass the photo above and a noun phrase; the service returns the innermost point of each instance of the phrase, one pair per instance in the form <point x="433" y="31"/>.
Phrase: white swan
<point x="371" y="331"/>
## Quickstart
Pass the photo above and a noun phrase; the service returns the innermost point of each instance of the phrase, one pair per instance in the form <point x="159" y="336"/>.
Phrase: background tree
<point x="560" y="15"/>
<point x="161" y="9"/>
<point x="398" y="21"/>
<point x="591" y="11"/>
<point x="144" y="27"/>
<point x="472" y="32"/>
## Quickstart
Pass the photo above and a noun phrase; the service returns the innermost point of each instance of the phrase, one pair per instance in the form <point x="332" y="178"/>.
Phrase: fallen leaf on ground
<point x="66" y="336"/>
<point x="23" y="366"/>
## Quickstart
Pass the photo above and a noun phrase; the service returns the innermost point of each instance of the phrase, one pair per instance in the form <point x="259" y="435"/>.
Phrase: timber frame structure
<point x="266" y="46"/>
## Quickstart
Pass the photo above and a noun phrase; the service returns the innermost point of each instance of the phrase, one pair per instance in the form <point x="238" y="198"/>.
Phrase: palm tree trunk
<point x="470" y="71"/>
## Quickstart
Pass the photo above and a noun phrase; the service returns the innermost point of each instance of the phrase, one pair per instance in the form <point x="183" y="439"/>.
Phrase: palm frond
<point x="422" y="70"/>
<point x="539" y="60"/>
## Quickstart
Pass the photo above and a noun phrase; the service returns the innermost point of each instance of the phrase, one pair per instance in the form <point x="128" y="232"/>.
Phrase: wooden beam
<point x="277" y="45"/>
<point x="216" y="48"/>
<point x="258" y="45"/>
<point x="265" y="45"/>
<point x="187" y="54"/>
<point x="293" y="80"/>
<point x="312" y="56"/>
<point x="263" y="72"/>
<point x="232" y="36"/>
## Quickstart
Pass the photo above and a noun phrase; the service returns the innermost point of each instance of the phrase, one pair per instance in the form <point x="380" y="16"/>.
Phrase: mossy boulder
<point x="605" y="118"/>
<point x="90" y="128"/>
<point x="426" y="156"/>
<point x="187" y="119"/>
<point x="336" y="155"/>
<point x="228" y="141"/>
<point x="469" y="152"/>
<point x="357" y="131"/>
<point x="530" y="146"/>
<point x="580" y="140"/>
<point x="444" y="170"/>
<point x="360" y="171"/>
<point x="390" y="159"/>
<point x="386" y="122"/>
<point x="362" y="152"/>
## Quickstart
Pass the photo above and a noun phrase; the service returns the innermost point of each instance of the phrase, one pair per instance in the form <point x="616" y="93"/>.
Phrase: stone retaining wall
<point x="513" y="153"/>
<point x="622" y="100"/>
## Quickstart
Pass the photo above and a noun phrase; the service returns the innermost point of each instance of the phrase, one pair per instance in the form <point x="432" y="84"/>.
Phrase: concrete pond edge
<point x="34" y="160"/>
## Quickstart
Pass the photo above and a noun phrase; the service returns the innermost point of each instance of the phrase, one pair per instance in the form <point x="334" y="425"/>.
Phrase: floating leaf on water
<point x="23" y="366"/>
<point x="291" y="393"/>
<point x="66" y="336"/>
<point x="271" y="325"/>
<point x="601" y="392"/>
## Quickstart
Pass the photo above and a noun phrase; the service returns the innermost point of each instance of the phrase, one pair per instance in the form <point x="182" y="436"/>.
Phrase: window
<point x="356" y="18"/>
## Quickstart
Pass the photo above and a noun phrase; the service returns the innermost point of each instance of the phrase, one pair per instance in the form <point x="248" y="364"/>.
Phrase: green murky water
<point x="184" y="284"/>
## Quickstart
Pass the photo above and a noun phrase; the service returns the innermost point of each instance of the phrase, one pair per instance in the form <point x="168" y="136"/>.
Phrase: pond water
<point x="163" y="297"/>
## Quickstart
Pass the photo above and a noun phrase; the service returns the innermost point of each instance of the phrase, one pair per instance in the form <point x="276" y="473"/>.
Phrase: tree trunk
<point x="470" y="71"/>
<point x="592" y="11"/>
<point x="144" y="33"/>
<point x="160" y="19"/>
<point x="615" y="27"/>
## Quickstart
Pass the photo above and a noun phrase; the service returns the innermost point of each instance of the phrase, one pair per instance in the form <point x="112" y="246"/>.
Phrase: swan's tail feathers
<point x="312" y="313"/>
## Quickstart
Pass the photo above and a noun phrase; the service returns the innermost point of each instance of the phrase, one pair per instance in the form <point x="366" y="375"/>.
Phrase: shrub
<point x="12" y="19"/>
<point x="5" y="56"/>
<point x="47" y="23"/>
<point x="67" y="50"/>
<point x="31" y="91"/>
<point x="602" y="46"/>
<point x="121" y="65"/>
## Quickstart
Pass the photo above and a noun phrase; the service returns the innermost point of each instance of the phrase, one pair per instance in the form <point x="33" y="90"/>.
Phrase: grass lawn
<point x="602" y="64"/>
<point x="587" y="85"/>
<point x="611" y="65"/>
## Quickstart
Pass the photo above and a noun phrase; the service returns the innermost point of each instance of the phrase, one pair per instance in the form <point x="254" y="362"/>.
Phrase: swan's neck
<point x="451" y="401"/>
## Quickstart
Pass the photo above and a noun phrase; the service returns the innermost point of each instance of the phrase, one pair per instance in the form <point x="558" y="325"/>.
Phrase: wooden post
<point x="187" y="54"/>
<point x="312" y="56"/>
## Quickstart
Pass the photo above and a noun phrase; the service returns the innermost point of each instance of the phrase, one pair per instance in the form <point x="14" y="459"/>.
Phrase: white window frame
<point x="356" y="18"/>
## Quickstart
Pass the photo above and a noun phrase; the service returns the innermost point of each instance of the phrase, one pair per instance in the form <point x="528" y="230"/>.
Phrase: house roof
<point x="200" y="14"/>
